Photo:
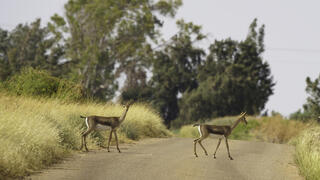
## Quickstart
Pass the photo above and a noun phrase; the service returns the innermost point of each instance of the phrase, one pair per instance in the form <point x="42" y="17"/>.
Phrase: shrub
<point x="276" y="129"/>
<point x="32" y="82"/>
<point x="304" y="116"/>
<point x="189" y="131"/>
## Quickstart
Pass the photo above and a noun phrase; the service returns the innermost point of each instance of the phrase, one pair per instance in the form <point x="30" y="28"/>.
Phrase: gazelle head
<point x="243" y="117"/>
<point x="128" y="104"/>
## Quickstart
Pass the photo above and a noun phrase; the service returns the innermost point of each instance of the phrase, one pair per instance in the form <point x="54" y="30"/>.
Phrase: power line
<point x="295" y="50"/>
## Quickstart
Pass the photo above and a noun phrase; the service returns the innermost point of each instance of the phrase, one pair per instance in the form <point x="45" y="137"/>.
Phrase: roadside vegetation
<point x="35" y="133"/>
<point x="308" y="153"/>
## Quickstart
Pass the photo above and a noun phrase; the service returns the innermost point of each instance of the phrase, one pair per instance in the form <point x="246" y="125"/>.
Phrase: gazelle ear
<point x="241" y="113"/>
<point x="245" y="113"/>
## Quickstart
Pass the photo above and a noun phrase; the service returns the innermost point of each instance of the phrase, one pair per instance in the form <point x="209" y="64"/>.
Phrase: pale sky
<point x="292" y="35"/>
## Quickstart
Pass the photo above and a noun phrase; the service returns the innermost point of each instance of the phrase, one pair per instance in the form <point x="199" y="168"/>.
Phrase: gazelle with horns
<point x="225" y="131"/>
<point x="114" y="122"/>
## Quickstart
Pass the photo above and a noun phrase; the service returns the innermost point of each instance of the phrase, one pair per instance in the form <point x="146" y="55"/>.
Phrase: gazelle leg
<point x="214" y="155"/>
<point x="110" y="136"/>
<point x="84" y="136"/>
<point x="115" y="135"/>
<point x="90" y="127"/>
<point x="199" y="141"/>
<point x="228" y="149"/>
<point x="83" y="139"/>
<point x="195" y="146"/>
<point x="205" y="151"/>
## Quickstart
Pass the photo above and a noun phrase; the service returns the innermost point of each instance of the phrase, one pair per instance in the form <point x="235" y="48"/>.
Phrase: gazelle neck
<point x="235" y="124"/>
<point x="123" y="116"/>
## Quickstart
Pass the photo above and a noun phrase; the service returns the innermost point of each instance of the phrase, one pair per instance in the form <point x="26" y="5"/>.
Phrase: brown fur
<point x="205" y="130"/>
<point x="113" y="122"/>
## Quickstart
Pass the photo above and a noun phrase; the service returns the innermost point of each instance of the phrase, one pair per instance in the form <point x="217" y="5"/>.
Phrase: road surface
<point x="173" y="158"/>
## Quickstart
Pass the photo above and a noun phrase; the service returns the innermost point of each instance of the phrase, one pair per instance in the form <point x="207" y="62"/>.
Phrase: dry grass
<point x="276" y="129"/>
<point x="37" y="133"/>
<point x="308" y="153"/>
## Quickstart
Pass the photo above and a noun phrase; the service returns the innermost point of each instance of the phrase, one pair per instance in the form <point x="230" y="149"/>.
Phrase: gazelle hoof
<point x="231" y="158"/>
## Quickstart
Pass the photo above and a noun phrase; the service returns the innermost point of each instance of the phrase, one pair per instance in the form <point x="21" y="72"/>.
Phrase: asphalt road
<point x="173" y="158"/>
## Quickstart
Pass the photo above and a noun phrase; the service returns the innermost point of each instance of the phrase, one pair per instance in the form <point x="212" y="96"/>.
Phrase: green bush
<point x="243" y="131"/>
<point x="32" y="82"/>
<point x="189" y="131"/>
<point x="304" y="116"/>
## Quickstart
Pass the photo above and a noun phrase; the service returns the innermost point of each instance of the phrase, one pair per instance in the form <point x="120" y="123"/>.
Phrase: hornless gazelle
<point x="114" y="122"/>
<point x="205" y="130"/>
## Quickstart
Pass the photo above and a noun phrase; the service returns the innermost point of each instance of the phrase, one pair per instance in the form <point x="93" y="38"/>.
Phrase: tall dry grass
<point x="276" y="129"/>
<point x="308" y="153"/>
<point x="37" y="133"/>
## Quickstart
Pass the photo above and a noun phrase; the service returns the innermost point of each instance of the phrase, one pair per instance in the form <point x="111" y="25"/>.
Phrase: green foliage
<point x="313" y="101"/>
<point x="141" y="94"/>
<point x="175" y="68"/>
<point x="29" y="45"/>
<point x="31" y="82"/>
<point x="311" y="110"/>
<point x="299" y="115"/>
<point x="233" y="79"/>
<point x="4" y="63"/>
<point x="244" y="132"/>
<point x="108" y="37"/>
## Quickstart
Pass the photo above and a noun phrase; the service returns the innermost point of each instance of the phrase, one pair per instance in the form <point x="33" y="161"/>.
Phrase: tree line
<point x="96" y="42"/>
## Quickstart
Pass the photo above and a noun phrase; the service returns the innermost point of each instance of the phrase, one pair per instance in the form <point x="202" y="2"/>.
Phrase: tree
<point x="175" y="68"/>
<point x="107" y="35"/>
<point x="233" y="78"/>
<point x="311" y="109"/>
<point x="313" y="101"/>
<point x="29" y="45"/>
<point x="4" y="62"/>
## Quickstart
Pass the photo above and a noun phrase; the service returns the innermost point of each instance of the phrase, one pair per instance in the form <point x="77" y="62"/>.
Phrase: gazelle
<point x="114" y="122"/>
<point x="205" y="130"/>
